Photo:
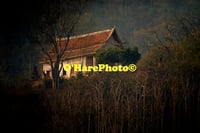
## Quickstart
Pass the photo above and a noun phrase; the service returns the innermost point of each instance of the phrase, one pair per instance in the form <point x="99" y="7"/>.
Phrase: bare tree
<point x="57" y="25"/>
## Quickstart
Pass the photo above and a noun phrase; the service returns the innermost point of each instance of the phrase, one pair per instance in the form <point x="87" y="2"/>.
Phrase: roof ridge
<point x="112" y="30"/>
<point x="87" y="34"/>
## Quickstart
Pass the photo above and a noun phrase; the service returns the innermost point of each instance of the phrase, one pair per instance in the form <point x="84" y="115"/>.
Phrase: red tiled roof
<point x="86" y="44"/>
<point x="88" y="40"/>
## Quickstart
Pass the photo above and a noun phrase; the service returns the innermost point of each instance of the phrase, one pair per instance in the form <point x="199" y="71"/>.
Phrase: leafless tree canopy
<point x="57" y="23"/>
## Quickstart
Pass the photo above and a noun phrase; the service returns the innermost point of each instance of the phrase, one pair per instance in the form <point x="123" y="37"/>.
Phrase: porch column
<point x="94" y="61"/>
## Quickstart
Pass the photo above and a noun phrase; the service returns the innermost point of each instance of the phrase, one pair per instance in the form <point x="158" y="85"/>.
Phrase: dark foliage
<point x="123" y="56"/>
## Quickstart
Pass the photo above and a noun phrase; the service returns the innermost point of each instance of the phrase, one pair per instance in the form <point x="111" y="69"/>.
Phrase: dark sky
<point x="16" y="17"/>
<point x="20" y="18"/>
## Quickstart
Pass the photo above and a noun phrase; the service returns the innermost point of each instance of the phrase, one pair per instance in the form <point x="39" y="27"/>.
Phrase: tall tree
<point x="57" y="23"/>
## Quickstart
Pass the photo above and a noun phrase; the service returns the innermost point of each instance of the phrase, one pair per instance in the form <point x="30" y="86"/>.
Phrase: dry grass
<point x="131" y="102"/>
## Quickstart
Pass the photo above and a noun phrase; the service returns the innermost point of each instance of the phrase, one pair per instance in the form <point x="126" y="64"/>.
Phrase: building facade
<point x="82" y="50"/>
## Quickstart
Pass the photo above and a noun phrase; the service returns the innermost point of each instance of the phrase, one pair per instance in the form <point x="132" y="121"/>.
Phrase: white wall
<point x="79" y="60"/>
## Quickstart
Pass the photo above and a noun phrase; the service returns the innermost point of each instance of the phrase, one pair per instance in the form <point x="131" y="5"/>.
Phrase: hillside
<point x="132" y="18"/>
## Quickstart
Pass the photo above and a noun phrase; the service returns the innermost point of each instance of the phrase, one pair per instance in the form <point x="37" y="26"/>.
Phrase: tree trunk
<point x="55" y="82"/>
<point x="55" y="76"/>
